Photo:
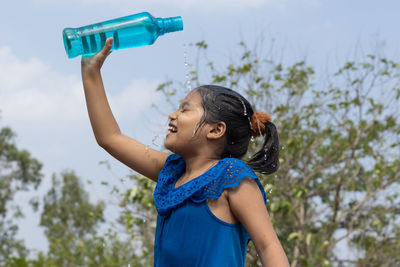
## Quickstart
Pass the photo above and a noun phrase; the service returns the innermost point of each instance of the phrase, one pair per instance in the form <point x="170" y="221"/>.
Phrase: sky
<point x="41" y="95"/>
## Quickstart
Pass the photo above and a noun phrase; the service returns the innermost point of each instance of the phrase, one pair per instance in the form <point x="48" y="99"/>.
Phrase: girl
<point x="209" y="202"/>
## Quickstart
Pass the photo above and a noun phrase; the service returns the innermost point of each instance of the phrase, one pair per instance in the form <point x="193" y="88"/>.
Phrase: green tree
<point x="19" y="171"/>
<point x="72" y="226"/>
<point x="340" y="155"/>
<point x="138" y="217"/>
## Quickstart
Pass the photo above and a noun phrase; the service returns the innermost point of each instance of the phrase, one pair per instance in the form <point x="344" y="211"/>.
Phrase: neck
<point x="197" y="165"/>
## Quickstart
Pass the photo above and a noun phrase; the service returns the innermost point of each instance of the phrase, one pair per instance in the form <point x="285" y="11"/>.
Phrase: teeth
<point x="172" y="129"/>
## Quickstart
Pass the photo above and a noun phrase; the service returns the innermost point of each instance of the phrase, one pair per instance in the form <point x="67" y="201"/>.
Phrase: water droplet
<point x="187" y="69"/>
<point x="129" y="265"/>
<point x="195" y="130"/>
<point x="276" y="176"/>
<point x="283" y="147"/>
<point x="147" y="148"/>
<point x="258" y="126"/>
<point x="232" y="143"/>
<point x="252" y="139"/>
<point x="153" y="141"/>
<point x="265" y="157"/>
<point x="244" y="107"/>
<point x="270" y="191"/>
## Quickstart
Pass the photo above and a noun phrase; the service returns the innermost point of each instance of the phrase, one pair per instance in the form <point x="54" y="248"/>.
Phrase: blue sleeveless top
<point x="188" y="233"/>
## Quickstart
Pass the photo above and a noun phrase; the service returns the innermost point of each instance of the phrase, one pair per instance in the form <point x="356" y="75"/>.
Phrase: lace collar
<point x="228" y="172"/>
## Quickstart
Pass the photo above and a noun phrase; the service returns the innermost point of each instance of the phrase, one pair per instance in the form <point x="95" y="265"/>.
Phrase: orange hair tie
<point x="258" y="121"/>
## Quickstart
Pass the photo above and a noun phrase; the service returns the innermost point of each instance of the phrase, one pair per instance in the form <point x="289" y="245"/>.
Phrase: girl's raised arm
<point x="132" y="153"/>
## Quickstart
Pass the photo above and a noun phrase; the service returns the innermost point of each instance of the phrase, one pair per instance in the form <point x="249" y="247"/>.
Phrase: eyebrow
<point x="186" y="103"/>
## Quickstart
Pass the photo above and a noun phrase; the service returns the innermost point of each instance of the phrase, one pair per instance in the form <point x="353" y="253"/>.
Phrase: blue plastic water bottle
<point x="130" y="31"/>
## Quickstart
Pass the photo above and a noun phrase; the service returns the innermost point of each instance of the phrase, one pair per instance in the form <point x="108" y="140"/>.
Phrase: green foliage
<point x="340" y="168"/>
<point x="19" y="171"/>
<point x="139" y="217"/>
<point x="72" y="226"/>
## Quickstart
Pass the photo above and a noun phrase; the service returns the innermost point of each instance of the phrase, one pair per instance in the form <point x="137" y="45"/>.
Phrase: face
<point x="184" y="132"/>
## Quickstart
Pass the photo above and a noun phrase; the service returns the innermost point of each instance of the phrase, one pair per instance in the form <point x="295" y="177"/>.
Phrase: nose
<point x="172" y="116"/>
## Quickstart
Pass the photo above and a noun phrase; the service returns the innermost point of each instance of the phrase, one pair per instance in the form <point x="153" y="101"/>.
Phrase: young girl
<point x="209" y="202"/>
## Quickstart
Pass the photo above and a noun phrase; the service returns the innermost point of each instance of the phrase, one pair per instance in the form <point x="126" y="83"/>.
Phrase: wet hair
<point x="222" y="104"/>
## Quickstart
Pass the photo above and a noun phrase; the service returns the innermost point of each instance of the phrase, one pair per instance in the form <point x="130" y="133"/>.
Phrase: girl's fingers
<point x="98" y="59"/>
<point x="107" y="47"/>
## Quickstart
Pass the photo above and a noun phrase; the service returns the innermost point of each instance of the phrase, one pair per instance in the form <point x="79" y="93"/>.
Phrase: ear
<point x="216" y="130"/>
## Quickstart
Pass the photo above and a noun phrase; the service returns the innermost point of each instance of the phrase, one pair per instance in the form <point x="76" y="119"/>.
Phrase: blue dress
<point x="188" y="234"/>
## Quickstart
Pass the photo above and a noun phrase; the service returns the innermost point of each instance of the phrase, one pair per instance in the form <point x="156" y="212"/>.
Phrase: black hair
<point x="222" y="104"/>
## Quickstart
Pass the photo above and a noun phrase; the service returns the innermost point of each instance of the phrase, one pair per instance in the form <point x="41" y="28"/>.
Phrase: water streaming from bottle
<point x="188" y="77"/>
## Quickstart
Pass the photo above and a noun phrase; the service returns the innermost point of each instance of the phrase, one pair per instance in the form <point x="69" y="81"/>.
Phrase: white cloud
<point x="135" y="98"/>
<point x="47" y="110"/>
<point x="32" y="93"/>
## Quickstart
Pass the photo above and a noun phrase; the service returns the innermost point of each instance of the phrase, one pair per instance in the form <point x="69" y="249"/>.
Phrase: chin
<point x="169" y="146"/>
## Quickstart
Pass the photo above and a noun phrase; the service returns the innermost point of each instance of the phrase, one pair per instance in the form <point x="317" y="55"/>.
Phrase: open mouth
<point x="172" y="129"/>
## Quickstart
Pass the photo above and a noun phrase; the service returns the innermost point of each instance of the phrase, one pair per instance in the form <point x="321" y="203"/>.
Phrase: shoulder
<point x="247" y="182"/>
<point x="247" y="186"/>
<point x="236" y="168"/>
<point x="235" y="175"/>
<point x="247" y="196"/>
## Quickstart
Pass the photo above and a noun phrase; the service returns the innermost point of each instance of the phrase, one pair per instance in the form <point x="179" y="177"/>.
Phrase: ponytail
<point x="266" y="161"/>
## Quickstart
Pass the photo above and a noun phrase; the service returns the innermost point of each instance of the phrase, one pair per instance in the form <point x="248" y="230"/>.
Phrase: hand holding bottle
<point x="96" y="61"/>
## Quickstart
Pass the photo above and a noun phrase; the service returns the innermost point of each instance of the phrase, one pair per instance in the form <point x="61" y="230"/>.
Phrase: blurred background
<point x="47" y="148"/>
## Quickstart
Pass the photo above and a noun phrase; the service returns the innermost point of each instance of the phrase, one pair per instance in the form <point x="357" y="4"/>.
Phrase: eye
<point x="183" y="110"/>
